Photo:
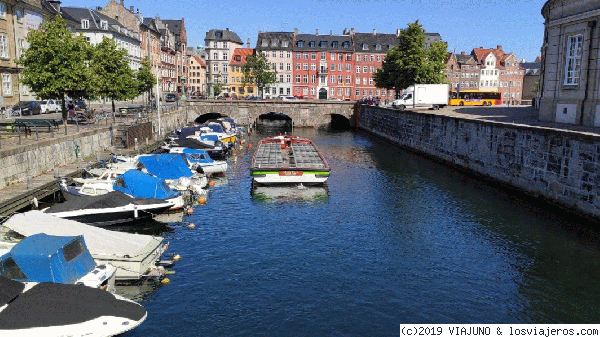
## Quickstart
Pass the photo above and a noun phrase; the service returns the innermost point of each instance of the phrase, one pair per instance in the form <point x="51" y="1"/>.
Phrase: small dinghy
<point x="54" y="309"/>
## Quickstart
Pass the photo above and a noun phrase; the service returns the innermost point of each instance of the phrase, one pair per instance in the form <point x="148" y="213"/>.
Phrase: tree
<point x="113" y="77"/>
<point x="411" y="62"/>
<point x="218" y="87"/>
<point x="258" y="71"/>
<point x="56" y="63"/>
<point x="144" y="77"/>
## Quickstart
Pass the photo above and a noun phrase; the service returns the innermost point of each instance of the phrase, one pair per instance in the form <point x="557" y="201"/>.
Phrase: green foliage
<point x="258" y="71"/>
<point x="55" y="64"/>
<point x="411" y="62"/>
<point x="218" y="87"/>
<point x="144" y="77"/>
<point x="113" y="77"/>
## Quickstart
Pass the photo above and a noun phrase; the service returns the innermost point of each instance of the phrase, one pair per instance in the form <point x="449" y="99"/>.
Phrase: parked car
<point x="287" y="98"/>
<point x="252" y="98"/>
<point x="80" y="104"/>
<point x="27" y="108"/>
<point x="50" y="106"/>
<point x="170" y="98"/>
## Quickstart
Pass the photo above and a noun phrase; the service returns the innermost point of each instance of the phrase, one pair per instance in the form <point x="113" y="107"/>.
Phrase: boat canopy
<point x="100" y="242"/>
<point x="141" y="185"/>
<point x="167" y="165"/>
<point x="183" y="133"/>
<point x="197" y="156"/>
<point x="46" y="258"/>
<point x="78" y="202"/>
<point x="216" y="127"/>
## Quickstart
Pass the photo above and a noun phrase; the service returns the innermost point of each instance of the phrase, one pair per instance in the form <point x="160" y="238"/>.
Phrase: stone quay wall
<point x="30" y="160"/>
<point x="19" y="163"/>
<point x="561" y="167"/>
<point x="303" y="113"/>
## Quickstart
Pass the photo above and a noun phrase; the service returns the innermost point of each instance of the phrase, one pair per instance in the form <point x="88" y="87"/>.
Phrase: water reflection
<point x="290" y="194"/>
<point x="139" y="291"/>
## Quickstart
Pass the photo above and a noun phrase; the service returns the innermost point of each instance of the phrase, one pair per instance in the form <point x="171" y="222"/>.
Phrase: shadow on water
<point x="548" y="257"/>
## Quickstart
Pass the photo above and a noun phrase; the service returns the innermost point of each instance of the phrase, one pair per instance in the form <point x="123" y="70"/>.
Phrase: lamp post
<point x="509" y="85"/>
<point x="158" y="98"/>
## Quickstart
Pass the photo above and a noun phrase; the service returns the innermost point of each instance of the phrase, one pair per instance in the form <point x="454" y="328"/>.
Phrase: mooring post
<point x="37" y="135"/>
<point x="65" y="124"/>
<point x="28" y="182"/>
<point x="77" y="123"/>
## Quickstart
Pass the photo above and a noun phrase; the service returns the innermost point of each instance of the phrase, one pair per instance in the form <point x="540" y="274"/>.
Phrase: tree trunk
<point x="64" y="106"/>
<point x="113" y="105"/>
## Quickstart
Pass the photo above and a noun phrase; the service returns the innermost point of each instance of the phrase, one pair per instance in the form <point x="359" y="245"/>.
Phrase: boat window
<point x="101" y="191"/>
<point x="73" y="250"/>
<point x="9" y="269"/>
<point x="120" y="182"/>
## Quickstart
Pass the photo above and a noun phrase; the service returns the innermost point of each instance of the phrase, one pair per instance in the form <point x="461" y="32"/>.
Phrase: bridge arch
<point x="340" y="122"/>
<point x="274" y="122"/>
<point x="205" y="117"/>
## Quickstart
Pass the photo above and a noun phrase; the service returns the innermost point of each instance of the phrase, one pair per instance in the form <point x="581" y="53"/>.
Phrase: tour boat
<point x="288" y="160"/>
<point x="55" y="309"/>
<point x="136" y="256"/>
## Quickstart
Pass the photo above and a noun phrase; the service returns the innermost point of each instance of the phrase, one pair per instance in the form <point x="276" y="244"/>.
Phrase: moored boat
<point x="288" y="160"/>
<point x="136" y="256"/>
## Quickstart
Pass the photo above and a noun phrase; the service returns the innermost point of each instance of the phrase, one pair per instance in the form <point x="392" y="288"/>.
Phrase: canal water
<point x="393" y="238"/>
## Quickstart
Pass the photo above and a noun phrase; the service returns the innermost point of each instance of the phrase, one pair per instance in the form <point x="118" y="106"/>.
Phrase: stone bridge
<point x="304" y="113"/>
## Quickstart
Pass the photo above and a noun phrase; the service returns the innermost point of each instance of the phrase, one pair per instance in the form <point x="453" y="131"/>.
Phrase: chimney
<point x="374" y="32"/>
<point x="346" y="31"/>
<point x="352" y="31"/>
<point x="227" y="29"/>
<point x="248" y="43"/>
<point x="463" y="53"/>
<point x="295" y="31"/>
<point x="55" y="4"/>
<point x="123" y="3"/>
<point x="331" y="32"/>
<point x="499" y="47"/>
<point x="480" y="47"/>
<point x="317" y="33"/>
<point x="397" y="32"/>
<point x="131" y="9"/>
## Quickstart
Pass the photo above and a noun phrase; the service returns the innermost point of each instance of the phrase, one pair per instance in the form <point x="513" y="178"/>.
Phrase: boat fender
<point x="35" y="203"/>
<point x="190" y="211"/>
<point x="177" y="257"/>
<point x="211" y="183"/>
<point x="135" y="211"/>
<point x="202" y="200"/>
<point x="165" y="281"/>
<point x="249" y="145"/>
<point x="192" y="226"/>
<point x="199" y="169"/>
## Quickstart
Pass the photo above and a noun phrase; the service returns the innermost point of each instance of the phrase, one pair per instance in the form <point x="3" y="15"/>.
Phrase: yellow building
<point x="238" y="89"/>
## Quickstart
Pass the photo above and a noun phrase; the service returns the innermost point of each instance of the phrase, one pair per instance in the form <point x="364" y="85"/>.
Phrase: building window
<point x="313" y="66"/>
<point x="104" y="25"/>
<point x="264" y="43"/>
<point x="340" y="67"/>
<point x="333" y="67"/>
<point x="340" y="91"/>
<point x="305" y="66"/>
<point x="378" y="47"/>
<point x="298" y="66"/>
<point x="2" y="10"/>
<point x="288" y="78"/>
<point x="313" y="55"/>
<point x="358" y="57"/>
<point x="280" y="78"/>
<point x="297" y="78"/>
<point x="300" y="44"/>
<point x="21" y="47"/>
<point x="3" y="46"/>
<point x="357" y="92"/>
<point x="305" y="55"/>
<point x="347" y="91"/>
<point x="345" y="44"/>
<point x="573" y="61"/>
<point x="225" y="56"/>
<point x="280" y="65"/>
<point x="281" y="91"/>
<point x="288" y="66"/>
<point x="313" y="79"/>
<point x="357" y="81"/>
<point x="334" y="44"/>
<point x="332" y="80"/>
<point x="358" y="69"/>
<point x="332" y="91"/>
<point x="85" y="24"/>
<point x="348" y="66"/>
<point x="19" y="15"/>
<point x="323" y="56"/>
<point x="298" y="56"/>
<point x="365" y="69"/>
<point x="312" y="91"/>
<point x="284" y="43"/>
<point x="6" y="85"/>
<point x="365" y="46"/>
<point x="365" y="58"/>
<point x="348" y="79"/>
<point x="340" y="79"/>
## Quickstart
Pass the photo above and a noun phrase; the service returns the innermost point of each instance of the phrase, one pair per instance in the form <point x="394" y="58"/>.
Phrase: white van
<point x="423" y="96"/>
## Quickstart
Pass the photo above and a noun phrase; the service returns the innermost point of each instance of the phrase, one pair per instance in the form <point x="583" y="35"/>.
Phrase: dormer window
<point x="265" y="43"/>
<point x="322" y="44"/>
<point x="365" y="46"/>
<point x="274" y="43"/>
<point x="219" y="35"/>
<point x="311" y="44"/>
<point x="284" y="43"/>
<point x="345" y="44"/>
<point x="19" y="16"/>
<point x="378" y="47"/>
<point x="85" y="24"/>
<point x="334" y="44"/>
<point x="300" y="44"/>
<point x="104" y="24"/>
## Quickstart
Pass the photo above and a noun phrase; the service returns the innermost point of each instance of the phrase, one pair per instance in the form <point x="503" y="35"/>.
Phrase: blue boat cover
<point x="47" y="258"/>
<point x="141" y="185"/>
<point x="213" y="138"/>
<point x="187" y="131"/>
<point x="166" y="166"/>
<point x="216" y="127"/>
<point x="197" y="156"/>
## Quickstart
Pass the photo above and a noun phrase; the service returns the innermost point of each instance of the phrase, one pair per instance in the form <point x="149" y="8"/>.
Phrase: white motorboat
<point x="59" y="259"/>
<point x="54" y="309"/>
<point x="135" y="256"/>
<point x="202" y="159"/>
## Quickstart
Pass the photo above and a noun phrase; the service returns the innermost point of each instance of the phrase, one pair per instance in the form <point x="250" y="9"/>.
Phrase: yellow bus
<point x="475" y="97"/>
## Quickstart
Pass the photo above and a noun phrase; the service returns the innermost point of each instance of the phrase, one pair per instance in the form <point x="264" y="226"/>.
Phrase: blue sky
<point x="464" y="24"/>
